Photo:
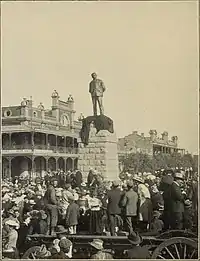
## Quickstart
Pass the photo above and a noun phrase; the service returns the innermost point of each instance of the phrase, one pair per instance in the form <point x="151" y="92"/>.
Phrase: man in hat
<point x="113" y="208"/>
<point x="96" y="89"/>
<point x="100" y="253"/>
<point x="137" y="252"/>
<point x="130" y="202"/>
<point x="51" y="206"/>
<point x="176" y="201"/>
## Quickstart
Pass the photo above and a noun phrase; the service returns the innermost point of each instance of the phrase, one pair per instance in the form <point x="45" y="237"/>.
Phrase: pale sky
<point x="145" y="52"/>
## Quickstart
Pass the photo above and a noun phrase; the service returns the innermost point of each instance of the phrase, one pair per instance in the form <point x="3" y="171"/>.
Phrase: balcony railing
<point x="55" y="149"/>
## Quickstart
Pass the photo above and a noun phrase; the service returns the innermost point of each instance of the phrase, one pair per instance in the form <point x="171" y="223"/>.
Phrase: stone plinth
<point x="100" y="154"/>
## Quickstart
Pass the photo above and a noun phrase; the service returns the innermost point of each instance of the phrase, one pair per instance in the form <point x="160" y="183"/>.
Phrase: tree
<point x="139" y="162"/>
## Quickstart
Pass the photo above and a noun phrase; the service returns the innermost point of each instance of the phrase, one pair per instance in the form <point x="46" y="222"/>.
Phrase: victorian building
<point x="151" y="145"/>
<point x="35" y="139"/>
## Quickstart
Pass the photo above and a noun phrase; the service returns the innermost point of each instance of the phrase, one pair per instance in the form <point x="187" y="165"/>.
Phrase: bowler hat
<point x="134" y="238"/>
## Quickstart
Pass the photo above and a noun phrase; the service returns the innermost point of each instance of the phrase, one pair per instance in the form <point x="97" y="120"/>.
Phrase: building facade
<point x="151" y="145"/>
<point x="35" y="140"/>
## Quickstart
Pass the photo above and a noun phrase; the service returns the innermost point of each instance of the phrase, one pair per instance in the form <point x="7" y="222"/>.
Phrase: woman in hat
<point x="98" y="250"/>
<point x="95" y="220"/>
<point x="11" y="227"/>
<point x="145" y="205"/>
<point x="136" y="251"/>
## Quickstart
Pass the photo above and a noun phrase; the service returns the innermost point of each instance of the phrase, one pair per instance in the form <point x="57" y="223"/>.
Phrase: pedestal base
<point x="100" y="154"/>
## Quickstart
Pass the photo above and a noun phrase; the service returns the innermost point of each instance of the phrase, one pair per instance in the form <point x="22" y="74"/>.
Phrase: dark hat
<point x="61" y="230"/>
<point x="134" y="238"/>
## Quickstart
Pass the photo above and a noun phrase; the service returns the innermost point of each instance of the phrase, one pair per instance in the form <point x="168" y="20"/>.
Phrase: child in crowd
<point x="72" y="215"/>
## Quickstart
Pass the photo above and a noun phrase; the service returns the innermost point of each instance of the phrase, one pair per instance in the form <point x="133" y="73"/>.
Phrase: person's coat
<point x="72" y="215"/>
<point x="138" y="252"/>
<point x="129" y="202"/>
<point x="50" y="196"/>
<point x="78" y="178"/>
<point x="177" y="199"/>
<point x="96" y="88"/>
<point x="114" y="197"/>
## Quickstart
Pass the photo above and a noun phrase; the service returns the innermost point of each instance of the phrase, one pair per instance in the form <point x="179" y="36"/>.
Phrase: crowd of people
<point x="63" y="203"/>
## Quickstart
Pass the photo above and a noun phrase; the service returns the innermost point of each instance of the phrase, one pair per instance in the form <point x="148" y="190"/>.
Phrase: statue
<point x="96" y="89"/>
<point x="41" y="106"/>
<point x="24" y="102"/>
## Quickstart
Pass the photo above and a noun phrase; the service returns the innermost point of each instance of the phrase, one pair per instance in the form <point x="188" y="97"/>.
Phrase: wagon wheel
<point x="31" y="253"/>
<point x="177" y="233"/>
<point x="176" y="248"/>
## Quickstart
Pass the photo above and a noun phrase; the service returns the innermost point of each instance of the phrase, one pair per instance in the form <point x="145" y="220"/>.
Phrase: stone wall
<point x="100" y="154"/>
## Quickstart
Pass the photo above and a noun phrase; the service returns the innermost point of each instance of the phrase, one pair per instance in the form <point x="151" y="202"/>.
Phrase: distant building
<point x="35" y="140"/>
<point x="149" y="145"/>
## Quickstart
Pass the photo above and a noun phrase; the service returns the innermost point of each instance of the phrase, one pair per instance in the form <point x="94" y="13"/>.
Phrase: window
<point x="64" y="120"/>
<point x="35" y="114"/>
<point x="7" y="113"/>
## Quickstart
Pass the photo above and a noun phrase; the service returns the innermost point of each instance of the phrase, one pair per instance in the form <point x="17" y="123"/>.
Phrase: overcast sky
<point x="145" y="52"/>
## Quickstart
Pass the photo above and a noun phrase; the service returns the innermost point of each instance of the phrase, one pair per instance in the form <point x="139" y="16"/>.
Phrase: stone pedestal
<point x="100" y="154"/>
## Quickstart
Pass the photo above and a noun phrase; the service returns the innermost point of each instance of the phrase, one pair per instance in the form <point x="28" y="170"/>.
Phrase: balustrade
<point x="55" y="149"/>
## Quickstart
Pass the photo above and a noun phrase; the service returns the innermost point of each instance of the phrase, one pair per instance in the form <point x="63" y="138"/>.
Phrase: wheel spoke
<point x="170" y="253"/>
<point x="185" y="252"/>
<point x="193" y="253"/>
<point x="177" y="251"/>
<point x="161" y="257"/>
<point x="33" y="256"/>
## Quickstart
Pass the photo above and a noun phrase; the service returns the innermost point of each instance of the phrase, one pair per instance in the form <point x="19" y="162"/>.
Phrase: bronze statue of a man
<point x="96" y="89"/>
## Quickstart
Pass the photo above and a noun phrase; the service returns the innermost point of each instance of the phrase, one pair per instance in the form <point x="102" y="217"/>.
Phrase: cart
<point x="174" y="244"/>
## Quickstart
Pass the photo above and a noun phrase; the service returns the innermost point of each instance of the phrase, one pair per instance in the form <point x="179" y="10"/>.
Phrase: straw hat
<point x="12" y="223"/>
<point x="97" y="243"/>
<point x="178" y="175"/>
<point x="138" y="179"/>
<point x="32" y="202"/>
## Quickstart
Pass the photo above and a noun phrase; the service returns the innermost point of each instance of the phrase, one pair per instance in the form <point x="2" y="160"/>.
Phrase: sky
<point x="145" y="52"/>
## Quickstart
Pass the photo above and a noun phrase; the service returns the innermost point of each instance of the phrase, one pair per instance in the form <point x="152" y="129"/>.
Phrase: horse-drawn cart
<point x="173" y="244"/>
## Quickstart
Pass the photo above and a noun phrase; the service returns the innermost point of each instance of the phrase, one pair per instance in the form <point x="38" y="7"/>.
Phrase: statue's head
<point x="94" y="75"/>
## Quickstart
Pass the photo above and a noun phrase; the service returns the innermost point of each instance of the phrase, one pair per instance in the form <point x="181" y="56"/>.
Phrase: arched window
<point x="7" y="113"/>
<point x="35" y="114"/>
<point x="65" y="120"/>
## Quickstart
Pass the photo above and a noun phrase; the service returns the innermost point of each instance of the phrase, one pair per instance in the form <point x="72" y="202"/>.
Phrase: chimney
<point x="134" y="132"/>
<point x="142" y="135"/>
